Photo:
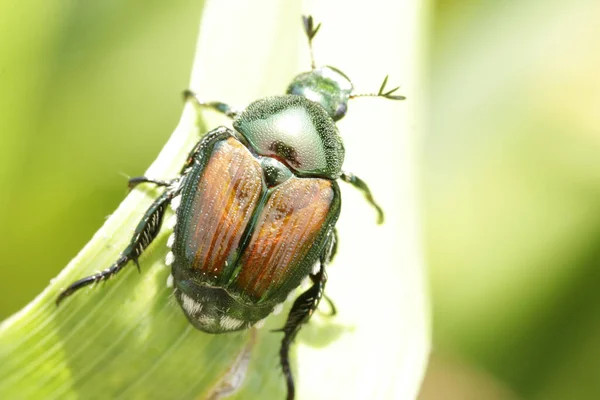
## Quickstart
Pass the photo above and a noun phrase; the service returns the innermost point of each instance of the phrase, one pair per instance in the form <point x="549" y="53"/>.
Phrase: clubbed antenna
<point x="382" y="92"/>
<point x="310" y="31"/>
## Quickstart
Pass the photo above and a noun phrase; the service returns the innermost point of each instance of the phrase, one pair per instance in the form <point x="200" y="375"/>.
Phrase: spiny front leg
<point x="144" y="234"/>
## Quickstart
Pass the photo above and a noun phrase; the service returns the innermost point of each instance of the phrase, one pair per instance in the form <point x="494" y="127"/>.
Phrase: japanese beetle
<point x="255" y="208"/>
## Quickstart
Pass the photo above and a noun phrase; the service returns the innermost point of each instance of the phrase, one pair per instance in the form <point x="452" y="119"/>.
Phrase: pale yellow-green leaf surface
<point x="128" y="338"/>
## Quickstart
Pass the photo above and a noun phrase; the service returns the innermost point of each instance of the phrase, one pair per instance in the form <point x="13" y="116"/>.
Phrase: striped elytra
<point x="253" y="241"/>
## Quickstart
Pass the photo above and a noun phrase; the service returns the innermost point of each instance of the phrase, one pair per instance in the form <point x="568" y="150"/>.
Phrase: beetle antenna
<point x="383" y="92"/>
<point x="310" y="31"/>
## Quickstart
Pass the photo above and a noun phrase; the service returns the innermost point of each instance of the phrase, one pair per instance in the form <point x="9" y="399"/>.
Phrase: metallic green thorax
<point x="297" y="132"/>
<point x="327" y="86"/>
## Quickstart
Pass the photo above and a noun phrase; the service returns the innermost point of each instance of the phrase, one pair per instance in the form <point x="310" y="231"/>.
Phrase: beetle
<point x="255" y="208"/>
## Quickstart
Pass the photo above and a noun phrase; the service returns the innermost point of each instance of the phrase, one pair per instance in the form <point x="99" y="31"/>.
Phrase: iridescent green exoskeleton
<point x="256" y="208"/>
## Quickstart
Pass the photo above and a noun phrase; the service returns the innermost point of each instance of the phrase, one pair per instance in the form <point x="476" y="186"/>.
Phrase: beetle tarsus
<point x="145" y="233"/>
<point x="133" y="182"/>
<point x="217" y="106"/>
<point x="332" y="312"/>
<point x="92" y="279"/>
<point x="361" y="185"/>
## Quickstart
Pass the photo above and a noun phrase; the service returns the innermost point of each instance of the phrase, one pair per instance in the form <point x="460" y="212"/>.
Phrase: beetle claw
<point x="137" y="264"/>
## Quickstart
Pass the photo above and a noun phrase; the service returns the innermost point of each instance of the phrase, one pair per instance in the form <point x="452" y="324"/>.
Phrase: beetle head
<point x="326" y="86"/>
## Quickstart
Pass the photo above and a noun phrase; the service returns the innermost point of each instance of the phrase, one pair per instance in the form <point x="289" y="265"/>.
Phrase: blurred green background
<point x="509" y="164"/>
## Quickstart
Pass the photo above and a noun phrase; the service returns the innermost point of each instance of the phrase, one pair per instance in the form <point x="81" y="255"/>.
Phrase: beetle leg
<point x="303" y="308"/>
<point x="361" y="185"/>
<point x="144" y="234"/>
<point x="223" y="108"/>
<point x="333" y="246"/>
<point x="133" y="182"/>
<point x="332" y="309"/>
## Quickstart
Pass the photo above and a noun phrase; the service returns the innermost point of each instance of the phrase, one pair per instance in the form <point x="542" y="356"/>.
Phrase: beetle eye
<point x="340" y="111"/>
